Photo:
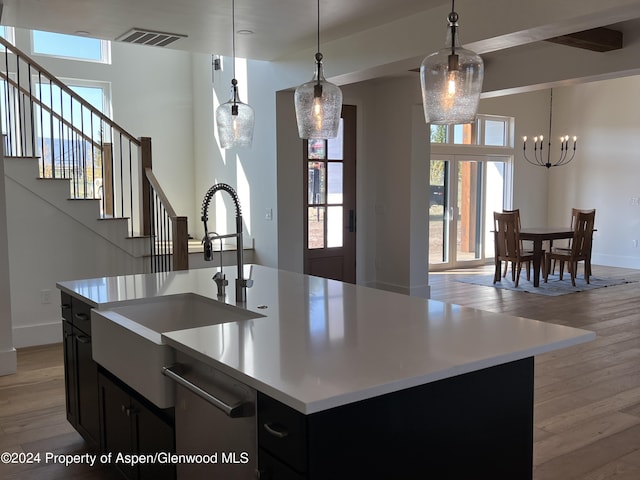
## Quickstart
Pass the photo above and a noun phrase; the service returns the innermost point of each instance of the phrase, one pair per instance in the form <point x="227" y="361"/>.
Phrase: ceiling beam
<point x="599" y="39"/>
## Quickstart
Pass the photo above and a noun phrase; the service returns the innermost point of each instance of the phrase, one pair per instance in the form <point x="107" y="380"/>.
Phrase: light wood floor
<point x="587" y="398"/>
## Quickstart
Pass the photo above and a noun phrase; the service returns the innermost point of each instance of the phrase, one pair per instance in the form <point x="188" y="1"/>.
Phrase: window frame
<point x="105" y="49"/>
<point x="477" y="132"/>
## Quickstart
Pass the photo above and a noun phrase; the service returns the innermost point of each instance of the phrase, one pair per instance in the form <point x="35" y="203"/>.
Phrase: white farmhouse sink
<point x="127" y="340"/>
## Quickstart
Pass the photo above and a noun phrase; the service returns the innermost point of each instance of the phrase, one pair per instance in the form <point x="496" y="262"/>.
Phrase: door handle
<point x="352" y="221"/>
<point x="239" y="409"/>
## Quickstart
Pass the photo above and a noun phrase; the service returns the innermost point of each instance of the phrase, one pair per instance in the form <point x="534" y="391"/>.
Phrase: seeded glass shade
<point x="451" y="86"/>
<point x="318" y="106"/>
<point x="235" y="122"/>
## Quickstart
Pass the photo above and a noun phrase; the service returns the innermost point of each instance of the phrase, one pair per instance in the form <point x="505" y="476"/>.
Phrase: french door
<point x="464" y="192"/>
<point x="330" y="203"/>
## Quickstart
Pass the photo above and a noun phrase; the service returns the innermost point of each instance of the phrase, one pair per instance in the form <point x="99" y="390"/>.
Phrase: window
<point x="488" y="130"/>
<point x="70" y="46"/>
<point x="8" y="34"/>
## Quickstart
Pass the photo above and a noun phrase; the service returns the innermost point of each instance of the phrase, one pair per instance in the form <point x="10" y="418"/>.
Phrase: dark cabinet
<point x="131" y="425"/>
<point x="81" y="372"/>
<point x="474" y="425"/>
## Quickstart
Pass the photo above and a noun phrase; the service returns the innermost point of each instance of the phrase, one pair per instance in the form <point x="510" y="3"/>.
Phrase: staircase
<point x="54" y="192"/>
<point x="83" y="164"/>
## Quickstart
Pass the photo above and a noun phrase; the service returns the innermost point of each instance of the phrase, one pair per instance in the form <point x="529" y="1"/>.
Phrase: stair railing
<point x="44" y="118"/>
<point x="168" y="252"/>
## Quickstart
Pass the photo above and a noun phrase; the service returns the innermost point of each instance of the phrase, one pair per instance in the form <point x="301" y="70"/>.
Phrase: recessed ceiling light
<point x="81" y="33"/>
<point x="245" y="32"/>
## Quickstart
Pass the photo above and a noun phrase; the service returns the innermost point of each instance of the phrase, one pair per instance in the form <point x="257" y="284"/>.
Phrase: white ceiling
<point x="279" y="26"/>
<point x="364" y="39"/>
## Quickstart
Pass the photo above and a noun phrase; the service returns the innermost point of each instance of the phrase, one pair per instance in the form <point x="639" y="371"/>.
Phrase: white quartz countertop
<point x="316" y="344"/>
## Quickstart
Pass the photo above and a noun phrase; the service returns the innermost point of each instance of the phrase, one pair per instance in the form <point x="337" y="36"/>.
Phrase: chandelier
<point x="567" y="151"/>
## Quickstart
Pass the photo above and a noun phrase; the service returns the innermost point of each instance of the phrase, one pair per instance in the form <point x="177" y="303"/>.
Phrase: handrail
<point x="158" y="189"/>
<point x="49" y="110"/>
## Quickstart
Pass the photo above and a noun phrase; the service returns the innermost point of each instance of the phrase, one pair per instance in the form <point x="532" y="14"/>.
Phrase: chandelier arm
<point x="532" y="163"/>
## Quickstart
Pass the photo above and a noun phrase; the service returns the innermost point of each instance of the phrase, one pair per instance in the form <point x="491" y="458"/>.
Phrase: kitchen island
<point x="355" y="382"/>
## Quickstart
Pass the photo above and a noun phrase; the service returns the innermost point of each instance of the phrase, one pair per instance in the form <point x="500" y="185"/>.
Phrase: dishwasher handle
<point x="239" y="409"/>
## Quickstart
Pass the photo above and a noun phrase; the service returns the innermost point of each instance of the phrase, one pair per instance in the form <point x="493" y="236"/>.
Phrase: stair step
<point x="56" y="192"/>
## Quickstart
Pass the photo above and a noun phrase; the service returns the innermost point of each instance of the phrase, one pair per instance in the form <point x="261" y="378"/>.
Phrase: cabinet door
<point x="88" y="415"/>
<point x="115" y="408"/>
<point x="70" y="383"/>
<point x="152" y="434"/>
<point x="272" y="469"/>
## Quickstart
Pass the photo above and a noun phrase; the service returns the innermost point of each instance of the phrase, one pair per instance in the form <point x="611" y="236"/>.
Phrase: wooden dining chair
<point x="567" y="249"/>
<point x="508" y="246"/>
<point x="523" y="248"/>
<point x="580" y="250"/>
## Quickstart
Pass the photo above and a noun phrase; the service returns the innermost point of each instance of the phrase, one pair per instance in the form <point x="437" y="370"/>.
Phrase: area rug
<point x="553" y="287"/>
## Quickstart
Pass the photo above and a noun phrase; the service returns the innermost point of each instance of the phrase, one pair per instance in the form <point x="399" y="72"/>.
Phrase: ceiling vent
<point x="141" y="36"/>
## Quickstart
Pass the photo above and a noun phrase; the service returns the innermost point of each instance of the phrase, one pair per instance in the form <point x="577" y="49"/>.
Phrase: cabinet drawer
<point x="65" y="305"/>
<point x="81" y="315"/>
<point x="282" y="431"/>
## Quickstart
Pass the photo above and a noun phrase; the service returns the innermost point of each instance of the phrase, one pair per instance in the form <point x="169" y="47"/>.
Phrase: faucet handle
<point x="221" y="282"/>
<point x="208" y="248"/>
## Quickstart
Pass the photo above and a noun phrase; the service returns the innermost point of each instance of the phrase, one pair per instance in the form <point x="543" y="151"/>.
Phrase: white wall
<point x="604" y="174"/>
<point x="250" y="171"/>
<point x="531" y="113"/>
<point x="7" y="352"/>
<point x="47" y="246"/>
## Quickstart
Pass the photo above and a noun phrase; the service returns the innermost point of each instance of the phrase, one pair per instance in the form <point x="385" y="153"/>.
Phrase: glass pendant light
<point x="235" y="119"/>
<point x="451" y="81"/>
<point x="318" y="103"/>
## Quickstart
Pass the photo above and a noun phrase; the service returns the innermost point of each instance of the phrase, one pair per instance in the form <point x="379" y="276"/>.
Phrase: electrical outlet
<point x="45" y="296"/>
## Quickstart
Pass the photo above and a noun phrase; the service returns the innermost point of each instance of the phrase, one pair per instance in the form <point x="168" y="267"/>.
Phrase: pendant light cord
<point x="453" y="20"/>
<point x="318" y="29"/>
<point x="233" y="36"/>
<point x="550" y="117"/>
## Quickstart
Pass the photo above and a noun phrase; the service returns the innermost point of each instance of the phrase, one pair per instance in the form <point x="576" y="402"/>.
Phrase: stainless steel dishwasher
<point x="215" y="423"/>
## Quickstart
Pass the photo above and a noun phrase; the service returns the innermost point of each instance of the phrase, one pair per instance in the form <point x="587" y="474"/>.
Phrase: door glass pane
<point x="334" y="227"/>
<point x="469" y="203"/>
<point x="336" y="144"/>
<point x="334" y="184"/>
<point x="494" y="201"/>
<point x="438" y="134"/>
<point x="462" y="134"/>
<point x="316" y="150"/>
<point x="317" y="183"/>
<point x="438" y="209"/>
<point x="316" y="227"/>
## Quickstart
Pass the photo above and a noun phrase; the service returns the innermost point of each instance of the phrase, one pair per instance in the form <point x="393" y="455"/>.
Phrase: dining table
<point x="541" y="234"/>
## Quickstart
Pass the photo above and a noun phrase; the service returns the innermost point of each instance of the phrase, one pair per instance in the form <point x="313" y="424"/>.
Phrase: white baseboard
<point x="8" y="361"/>
<point x="615" y="261"/>
<point x="42" y="334"/>
<point x="423" y="291"/>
